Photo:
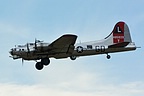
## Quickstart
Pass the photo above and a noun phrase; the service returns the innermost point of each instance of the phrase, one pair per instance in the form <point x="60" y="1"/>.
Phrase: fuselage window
<point x="89" y="46"/>
<point x="31" y="44"/>
<point x="15" y="49"/>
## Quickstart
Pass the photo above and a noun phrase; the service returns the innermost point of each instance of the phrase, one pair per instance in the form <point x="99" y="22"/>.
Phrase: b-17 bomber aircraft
<point x="118" y="40"/>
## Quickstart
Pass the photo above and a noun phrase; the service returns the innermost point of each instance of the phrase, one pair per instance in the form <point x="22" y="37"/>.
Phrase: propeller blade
<point x="22" y="61"/>
<point x="28" y="48"/>
<point x="35" y="43"/>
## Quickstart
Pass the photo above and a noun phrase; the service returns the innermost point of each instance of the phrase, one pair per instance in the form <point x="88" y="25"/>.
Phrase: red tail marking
<point x="118" y="33"/>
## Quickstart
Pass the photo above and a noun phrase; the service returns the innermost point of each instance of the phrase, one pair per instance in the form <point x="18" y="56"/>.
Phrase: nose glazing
<point x="11" y="52"/>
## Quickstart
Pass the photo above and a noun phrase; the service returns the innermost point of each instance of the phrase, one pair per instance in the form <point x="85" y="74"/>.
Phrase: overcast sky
<point x="22" y="21"/>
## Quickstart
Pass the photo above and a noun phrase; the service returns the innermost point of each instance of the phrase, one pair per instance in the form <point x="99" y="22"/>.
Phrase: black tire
<point x="108" y="56"/>
<point x="45" y="61"/>
<point x="39" y="66"/>
<point x="73" y="57"/>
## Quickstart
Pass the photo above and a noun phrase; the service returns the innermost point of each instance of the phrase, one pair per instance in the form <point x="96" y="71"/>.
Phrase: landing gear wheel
<point x="39" y="66"/>
<point x="73" y="57"/>
<point x="45" y="61"/>
<point x="108" y="56"/>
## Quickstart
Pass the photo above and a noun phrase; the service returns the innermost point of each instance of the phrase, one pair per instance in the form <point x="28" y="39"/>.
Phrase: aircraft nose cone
<point x="11" y="52"/>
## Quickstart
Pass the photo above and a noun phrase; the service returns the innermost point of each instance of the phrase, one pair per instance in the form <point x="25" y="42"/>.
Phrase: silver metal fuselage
<point x="87" y="49"/>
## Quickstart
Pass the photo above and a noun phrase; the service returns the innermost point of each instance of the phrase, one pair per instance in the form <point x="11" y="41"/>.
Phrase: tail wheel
<point x="45" y="61"/>
<point x="108" y="56"/>
<point x="39" y="66"/>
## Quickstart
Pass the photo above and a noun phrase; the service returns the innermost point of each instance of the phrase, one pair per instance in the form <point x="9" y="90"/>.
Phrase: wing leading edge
<point x="63" y="47"/>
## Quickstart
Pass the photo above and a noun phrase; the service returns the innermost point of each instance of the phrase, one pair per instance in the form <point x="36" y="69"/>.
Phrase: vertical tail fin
<point x="120" y="34"/>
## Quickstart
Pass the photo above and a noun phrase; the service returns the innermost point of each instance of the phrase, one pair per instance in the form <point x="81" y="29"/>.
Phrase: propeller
<point x="35" y="44"/>
<point x="22" y="61"/>
<point x="28" y="49"/>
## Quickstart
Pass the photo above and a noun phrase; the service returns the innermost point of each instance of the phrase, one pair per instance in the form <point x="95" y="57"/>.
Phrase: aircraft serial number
<point x="100" y="48"/>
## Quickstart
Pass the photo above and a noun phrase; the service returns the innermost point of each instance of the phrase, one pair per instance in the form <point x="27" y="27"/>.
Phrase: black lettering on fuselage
<point x="100" y="48"/>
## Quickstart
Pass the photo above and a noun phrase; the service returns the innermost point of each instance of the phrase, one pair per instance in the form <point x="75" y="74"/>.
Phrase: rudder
<point x="121" y="33"/>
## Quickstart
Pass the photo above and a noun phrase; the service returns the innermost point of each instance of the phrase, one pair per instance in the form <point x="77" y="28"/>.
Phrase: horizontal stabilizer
<point x="118" y="45"/>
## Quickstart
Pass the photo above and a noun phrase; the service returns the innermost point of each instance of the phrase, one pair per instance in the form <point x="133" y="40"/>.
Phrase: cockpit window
<point x="14" y="49"/>
<point x="31" y="43"/>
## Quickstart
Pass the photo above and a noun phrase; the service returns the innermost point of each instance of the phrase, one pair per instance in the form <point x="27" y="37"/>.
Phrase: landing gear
<point x="73" y="57"/>
<point x="108" y="56"/>
<point x="40" y="65"/>
<point x="45" y="61"/>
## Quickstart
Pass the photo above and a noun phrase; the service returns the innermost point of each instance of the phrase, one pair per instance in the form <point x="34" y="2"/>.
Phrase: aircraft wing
<point x="63" y="46"/>
<point x="63" y="41"/>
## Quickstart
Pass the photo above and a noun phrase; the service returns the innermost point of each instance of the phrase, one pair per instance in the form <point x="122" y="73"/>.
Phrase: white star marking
<point x="79" y="49"/>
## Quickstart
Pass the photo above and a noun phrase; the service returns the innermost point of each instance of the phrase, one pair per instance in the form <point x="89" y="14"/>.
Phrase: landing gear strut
<point x="40" y="65"/>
